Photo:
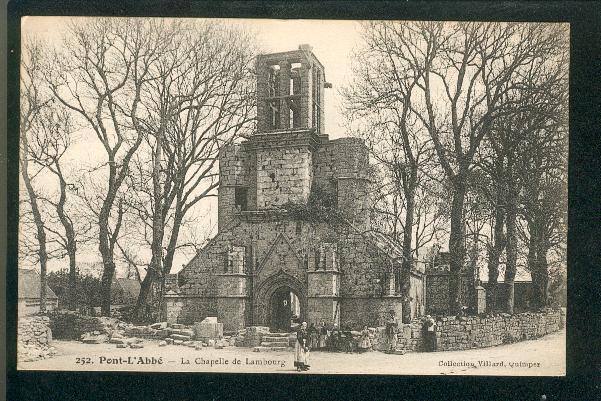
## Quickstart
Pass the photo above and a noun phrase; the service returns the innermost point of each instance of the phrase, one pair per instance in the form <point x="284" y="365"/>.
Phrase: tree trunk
<point x="494" y="254"/>
<point x="405" y="285"/>
<point x="155" y="268"/>
<point x="512" y="254"/>
<point x="71" y="243"/>
<point x="456" y="245"/>
<point x="537" y="264"/>
<point x="37" y="218"/>
<point x="107" y="259"/>
<point x="139" y="313"/>
<point x="72" y="281"/>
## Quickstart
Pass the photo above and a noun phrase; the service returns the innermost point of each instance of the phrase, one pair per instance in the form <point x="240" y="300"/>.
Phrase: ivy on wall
<point x="322" y="206"/>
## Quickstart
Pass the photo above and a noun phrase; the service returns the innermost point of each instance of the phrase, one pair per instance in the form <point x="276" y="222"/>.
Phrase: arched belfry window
<point x="316" y="107"/>
<point x="273" y="80"/>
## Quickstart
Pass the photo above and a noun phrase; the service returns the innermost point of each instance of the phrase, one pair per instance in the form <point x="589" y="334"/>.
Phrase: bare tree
<point x="33" y="104"/>
<point x="101" y="74"/>
<point x="47" y="148"/>
<point x="380" y="98"/>
<point x="537" y="104"/>
<point x="200" y="99"/>
<point x="464" y="71"/>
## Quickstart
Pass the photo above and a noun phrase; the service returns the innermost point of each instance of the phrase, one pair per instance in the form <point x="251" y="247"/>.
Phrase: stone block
<point x="180" y="337"/>
<point x="209" y="328"/>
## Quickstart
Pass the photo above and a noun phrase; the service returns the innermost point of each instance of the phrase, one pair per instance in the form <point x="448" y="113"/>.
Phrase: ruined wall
<point x="459" y="333"/>
<point x="373" y="311"/>
<point x="281" y="248"/>
<point x="188" y="310"/>
<point x="235" y="170"/>
<point x="283" y="174"/>
<point x="34" y="339"/>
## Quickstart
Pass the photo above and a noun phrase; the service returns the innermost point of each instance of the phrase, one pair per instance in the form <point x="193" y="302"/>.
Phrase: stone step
<point x="275" y="338"/>
<point x="277" y="335"/>
<point x="265" y="349"/>
<point x="274" y="343"/>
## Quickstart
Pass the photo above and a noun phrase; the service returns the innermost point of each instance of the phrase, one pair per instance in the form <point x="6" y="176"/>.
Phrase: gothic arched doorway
<point x="277" y="298"/>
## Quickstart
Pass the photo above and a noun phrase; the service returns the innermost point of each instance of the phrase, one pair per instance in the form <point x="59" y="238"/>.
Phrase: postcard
<point x="298" y="196"/>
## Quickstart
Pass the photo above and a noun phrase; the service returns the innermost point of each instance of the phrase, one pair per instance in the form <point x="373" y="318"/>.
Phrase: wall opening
<point x="273" y="114"/>
<point x="273" y="80"/>
<point x="316" y="99"/>
<point x="241" y="198"/>
<point x="285" y="307"/>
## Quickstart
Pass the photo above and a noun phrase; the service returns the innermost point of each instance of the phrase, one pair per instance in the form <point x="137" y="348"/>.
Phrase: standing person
<point x="392" y="336"/>
<point x="335" y="339"/>
<point x="347" y="339"/>
<point x="365" y="342"/>
<point x="314" y="336"/>
<point x="429" y="329"/>
<point x="301" y="349"/>
<point x="323" y="335"/>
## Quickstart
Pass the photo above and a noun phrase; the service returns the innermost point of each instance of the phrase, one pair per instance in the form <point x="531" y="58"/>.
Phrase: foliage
<point x="87" y="293"/>
<point x="322" y="206"/>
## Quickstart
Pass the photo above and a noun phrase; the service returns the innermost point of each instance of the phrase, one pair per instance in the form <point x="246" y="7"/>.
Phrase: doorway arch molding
<point x="268" y="287"/>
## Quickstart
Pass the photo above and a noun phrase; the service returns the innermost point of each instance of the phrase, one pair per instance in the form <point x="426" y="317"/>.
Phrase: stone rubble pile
<point x="70" y="325"/>
<point x="34" y="339"/>
<point x="207" y="333"/>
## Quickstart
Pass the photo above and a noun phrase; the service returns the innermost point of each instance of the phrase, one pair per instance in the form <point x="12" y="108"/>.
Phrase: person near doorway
<point x="301" y="349"/>
<point x="314" y="336"/>
<point x="334" y="339"/>
<point x="429" y="329"/>
<point x="391" y="335"/>
<point x="347" y="340"/>
<point x="323" y="335"/>
<point x="364" y="342"/>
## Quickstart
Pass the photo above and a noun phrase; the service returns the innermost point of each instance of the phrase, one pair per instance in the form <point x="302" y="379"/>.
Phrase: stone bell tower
<point x="290" y="89"/>
<point x="276" y="164"/>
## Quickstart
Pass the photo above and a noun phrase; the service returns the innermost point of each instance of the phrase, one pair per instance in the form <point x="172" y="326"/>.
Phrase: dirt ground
<point x="541" y="357"/>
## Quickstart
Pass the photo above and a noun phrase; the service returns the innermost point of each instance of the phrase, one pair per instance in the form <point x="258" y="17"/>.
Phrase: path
<point x="544" y="356"/>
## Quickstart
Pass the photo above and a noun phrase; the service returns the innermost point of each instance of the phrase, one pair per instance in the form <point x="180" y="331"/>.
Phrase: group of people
<point x="322" y="338"/>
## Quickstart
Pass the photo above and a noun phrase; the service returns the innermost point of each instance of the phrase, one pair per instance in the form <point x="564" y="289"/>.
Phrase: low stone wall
<point x="459" y="333"/>
<point x="68" y="325"/>
<point x="34" y="339"/>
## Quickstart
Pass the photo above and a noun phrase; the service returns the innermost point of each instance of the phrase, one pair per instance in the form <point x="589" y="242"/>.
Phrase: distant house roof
<point x="130" y="287"/>
<point x="29" y="285"/>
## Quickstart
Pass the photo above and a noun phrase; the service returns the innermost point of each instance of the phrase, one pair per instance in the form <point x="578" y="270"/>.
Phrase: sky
<point x="332" y="43"/>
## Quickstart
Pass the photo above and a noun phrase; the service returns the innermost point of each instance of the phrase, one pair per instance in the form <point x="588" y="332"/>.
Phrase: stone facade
<point x="338" y="271"/>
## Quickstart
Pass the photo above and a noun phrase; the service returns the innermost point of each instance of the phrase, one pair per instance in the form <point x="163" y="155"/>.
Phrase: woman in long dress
<point x="301" y="349"/>
<point x="365" y="342"/>
<point x="323" y="334"/>
<point x="314" y="335"/>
